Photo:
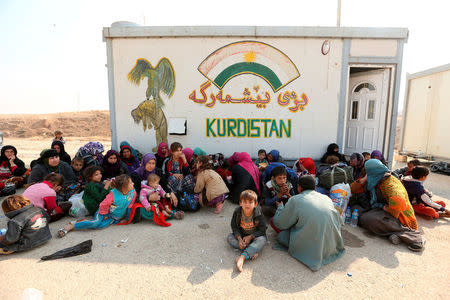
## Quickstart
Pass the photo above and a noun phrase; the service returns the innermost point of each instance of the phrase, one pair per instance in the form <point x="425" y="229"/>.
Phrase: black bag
<point x="334" y="175"/>
<point x="188" y="202"/>
<point x="9" y="189"/>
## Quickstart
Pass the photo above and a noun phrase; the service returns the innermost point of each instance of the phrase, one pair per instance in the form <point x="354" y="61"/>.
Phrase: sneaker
<point x="394" y="239"/>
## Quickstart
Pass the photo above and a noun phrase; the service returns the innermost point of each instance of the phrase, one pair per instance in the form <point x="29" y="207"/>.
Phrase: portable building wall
<point x="297" y="102"/>
<point x="426" y="111"/>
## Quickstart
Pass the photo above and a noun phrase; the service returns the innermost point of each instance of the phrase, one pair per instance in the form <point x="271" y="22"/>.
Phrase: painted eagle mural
<point x="160" y="79"/>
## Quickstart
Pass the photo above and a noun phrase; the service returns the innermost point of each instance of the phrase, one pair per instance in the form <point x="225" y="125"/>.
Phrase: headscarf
<point x="275" y="155"/>
<point x="93" y="148"/>
<point x="331" y="147"/>
<point x="375" y="171"/>
<point x="188" y="152"/>
<point x="3" y="156"/>
<point x="360" y="159"/>
<point x="308" y="163"/>
<point x="45" y="155"/>
<point x="234" y="159"/>
<point x="88" y="151"/>
<point x="141" y="170"/>
<point x="246" y="162"/>
<point x="160" y="146"/>
<point x="129" y="161"/>
<point x="111" y="170"/>
<point x="378" y="155"/>
<point x="198" y="151"/>
<point x="63" y="155"/>
<point x="133" y="151"/>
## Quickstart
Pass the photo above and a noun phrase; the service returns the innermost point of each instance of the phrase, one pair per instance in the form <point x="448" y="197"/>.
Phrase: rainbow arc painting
<point x="249" y="57"/>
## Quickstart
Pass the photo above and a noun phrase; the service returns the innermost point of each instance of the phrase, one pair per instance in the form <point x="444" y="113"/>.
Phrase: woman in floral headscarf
<point x="91" y="153"/>
<point x="391" y="213"/>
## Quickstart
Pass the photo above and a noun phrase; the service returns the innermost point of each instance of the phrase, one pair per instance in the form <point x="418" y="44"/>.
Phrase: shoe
<point x="219" y="208"/>
<point x="417" y="247"/>
<point x="394" y="239"/>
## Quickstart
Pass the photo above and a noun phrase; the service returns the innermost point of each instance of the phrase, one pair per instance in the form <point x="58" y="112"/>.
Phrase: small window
<point x="355" y="110"/>
<point x="366" y="85"/>
<point x="371" y="110"/>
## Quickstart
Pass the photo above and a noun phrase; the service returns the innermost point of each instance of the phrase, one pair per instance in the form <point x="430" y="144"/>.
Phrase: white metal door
<point x="368" y="94"/>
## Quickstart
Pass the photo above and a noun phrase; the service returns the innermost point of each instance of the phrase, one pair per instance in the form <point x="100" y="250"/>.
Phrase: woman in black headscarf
<point x="63" y="155"/>
<point x="12" y="169"/>
<point x="333" y="149"/>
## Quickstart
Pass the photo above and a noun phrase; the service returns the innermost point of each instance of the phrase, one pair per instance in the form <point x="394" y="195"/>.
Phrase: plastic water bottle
<point x="348" y="215"/>
<point x="355" y="215"/>
<point x="3" y="231"/>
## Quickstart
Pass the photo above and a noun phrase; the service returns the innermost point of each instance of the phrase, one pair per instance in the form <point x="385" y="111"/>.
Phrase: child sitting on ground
<point x="59" y="137"/>
<point x="249" y="228"/>
<point x="261" y="162"/>
<point x="275" y="190"/>
<point x="151" y="186"/>
<point x="176" y="169"/>
<point x="116" y="206"/>
<point x="421" y="198"/>
<point x="43" y="195"/>
<point x="406" y="171"/>
<point x="77" y="168"/>
<point x="27" y="227"/>
<point x="95" y="191"/>
<point x="210" y="186"/>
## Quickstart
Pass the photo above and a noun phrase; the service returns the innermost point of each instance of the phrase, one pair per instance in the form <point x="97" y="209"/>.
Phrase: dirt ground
<point x="191" y="259"/>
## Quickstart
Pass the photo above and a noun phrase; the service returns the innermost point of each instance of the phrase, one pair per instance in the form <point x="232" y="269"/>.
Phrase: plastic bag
<point x="340" y="194"/>
<point x="78" y="210"/>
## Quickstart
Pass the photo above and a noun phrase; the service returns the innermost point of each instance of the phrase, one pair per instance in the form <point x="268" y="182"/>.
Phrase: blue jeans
<point x="255" y="246"/>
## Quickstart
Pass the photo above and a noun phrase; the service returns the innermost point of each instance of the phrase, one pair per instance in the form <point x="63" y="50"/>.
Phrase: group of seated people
<point x="126" y="186"/>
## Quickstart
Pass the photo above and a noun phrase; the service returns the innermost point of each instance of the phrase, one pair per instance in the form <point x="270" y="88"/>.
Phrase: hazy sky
<point x="52" y="57"/>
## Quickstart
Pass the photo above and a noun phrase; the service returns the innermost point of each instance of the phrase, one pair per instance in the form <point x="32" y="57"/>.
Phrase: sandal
<point x="179" y="215"/>
<point x="417" y="247"/>
<point x="62" y="233"/>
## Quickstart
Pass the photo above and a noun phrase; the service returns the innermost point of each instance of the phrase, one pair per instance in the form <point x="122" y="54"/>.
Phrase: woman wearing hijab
<point x="63" y="155"/>
<point x="189" y="153"/>
<point x="112" y="165"/>
<point x="234" y="159"/>
<point x="127" y="157"/>
<point x="333" y="149"/>
<point x="91" y="153"/>
<point x="162" y="154"/>
<point x="274" y="156"/>
<point x="12" y="169"/>
<point x="134" y="152"/>
<point x="245" y="176"/>
<point x="357" y="163"/>
<point x="304" y="166"/>
<point x="391" y="213"/>
<point x="49" y="162"/>
<point x="378" y="155"/>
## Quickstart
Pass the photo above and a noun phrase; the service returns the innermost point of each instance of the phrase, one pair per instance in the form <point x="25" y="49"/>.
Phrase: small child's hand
<point x="148" y="208"/>
<point x="247" y="240"/>
<point x="242" y="244"/>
